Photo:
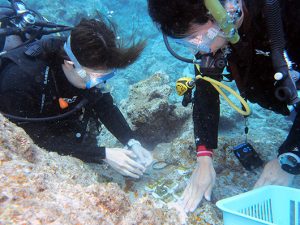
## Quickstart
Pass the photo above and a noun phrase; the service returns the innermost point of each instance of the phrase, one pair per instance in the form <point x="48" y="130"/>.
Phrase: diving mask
<point x="225" y="16"/>
<point x="204" y="41"/>
<point x="224" y="19"/>
<point x="97" y="77"/>
<point x="89" y="76"/>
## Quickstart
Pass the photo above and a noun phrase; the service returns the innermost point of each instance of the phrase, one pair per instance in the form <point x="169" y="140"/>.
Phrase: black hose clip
<point x="286" y="89"/>
<point x="187" y="98"/>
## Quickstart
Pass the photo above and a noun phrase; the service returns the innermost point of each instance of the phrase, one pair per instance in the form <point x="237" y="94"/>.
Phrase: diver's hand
<point x="122" y="161"/>
<point x="273" y="174"/>
<point x="143" y="156"/>
<point x="200" y="184"/>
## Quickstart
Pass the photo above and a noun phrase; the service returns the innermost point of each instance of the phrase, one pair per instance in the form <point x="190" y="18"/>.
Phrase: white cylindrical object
<point x="278" y="76"/>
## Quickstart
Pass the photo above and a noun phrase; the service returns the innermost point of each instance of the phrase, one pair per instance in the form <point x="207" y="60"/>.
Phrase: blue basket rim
<point x="220" y="203"/>
<point x="251" y="192"/>
<point x="249" y="217"/>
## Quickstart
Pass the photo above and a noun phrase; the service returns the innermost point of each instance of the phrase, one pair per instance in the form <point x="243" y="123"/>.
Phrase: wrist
<point x="203" y="151"/>
<point x="204" y="159"/>
<point x="102" y="152"/>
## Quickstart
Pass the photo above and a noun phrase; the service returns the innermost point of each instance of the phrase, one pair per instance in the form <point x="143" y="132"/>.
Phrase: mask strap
<point x="67" y="47"/>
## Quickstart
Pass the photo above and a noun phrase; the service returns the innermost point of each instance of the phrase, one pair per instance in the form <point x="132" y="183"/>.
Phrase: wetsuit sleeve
<point x="60" y="137"/>
<point x="293" y="139"/>
<point x="206" y="113"/>
<point x="112" y="118"/>
<point x="87" y="152"/>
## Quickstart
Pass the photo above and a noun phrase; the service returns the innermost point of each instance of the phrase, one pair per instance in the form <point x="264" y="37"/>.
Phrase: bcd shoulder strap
<point x="27" y="58"/>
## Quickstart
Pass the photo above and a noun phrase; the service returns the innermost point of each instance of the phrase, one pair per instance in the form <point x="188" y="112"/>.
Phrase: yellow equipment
<point x="185" y="83"/>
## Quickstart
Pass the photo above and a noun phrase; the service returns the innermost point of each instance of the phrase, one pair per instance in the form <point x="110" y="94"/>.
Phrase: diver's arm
<point x="206" y="118"/>
<point x="112" y="118"/>
<point x="88" y="153"/>
<point x="126" y="162"/>
<point x="114" y="121"/>
<point x="273" y="173"/>
<point x="206" y="113"/>
<point x="293" y="139"/>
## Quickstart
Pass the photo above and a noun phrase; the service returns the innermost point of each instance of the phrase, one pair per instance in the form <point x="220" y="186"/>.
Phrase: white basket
<point x="273" y="205"/>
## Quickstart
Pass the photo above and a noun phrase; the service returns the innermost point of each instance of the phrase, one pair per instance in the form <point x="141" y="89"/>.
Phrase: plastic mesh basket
<point x="267" y="205"/>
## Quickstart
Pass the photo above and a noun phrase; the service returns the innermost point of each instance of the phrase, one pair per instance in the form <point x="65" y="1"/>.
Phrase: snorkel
<point x="224" y="19"/>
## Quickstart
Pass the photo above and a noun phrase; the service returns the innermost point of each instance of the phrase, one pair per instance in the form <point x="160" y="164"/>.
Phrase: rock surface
<point x="151" y="115"/>
<point x="37" y="187"/>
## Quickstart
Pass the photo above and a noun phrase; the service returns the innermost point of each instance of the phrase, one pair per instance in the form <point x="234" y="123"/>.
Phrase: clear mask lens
<point x="81" y="72"/>
<point x="96" y="78"/>
<point x="201" y="42"/>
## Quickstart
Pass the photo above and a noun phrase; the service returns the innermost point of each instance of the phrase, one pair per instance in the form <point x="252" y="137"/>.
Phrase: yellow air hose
<point x="218" y="85"/>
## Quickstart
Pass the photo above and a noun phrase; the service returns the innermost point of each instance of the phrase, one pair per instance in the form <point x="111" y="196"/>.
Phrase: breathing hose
<point x="286" y="90"/>
<point x="81" y="104"/>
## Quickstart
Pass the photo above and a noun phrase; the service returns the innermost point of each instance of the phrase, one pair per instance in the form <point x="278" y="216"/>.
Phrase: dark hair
<point x="174" y="17"/>
<point x="94" y="44"/>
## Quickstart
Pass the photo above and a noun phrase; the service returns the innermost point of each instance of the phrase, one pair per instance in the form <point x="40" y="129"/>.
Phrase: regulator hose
<point x="81" y="104"/>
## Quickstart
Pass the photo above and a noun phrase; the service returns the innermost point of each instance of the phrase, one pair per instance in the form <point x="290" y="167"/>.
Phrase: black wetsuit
<point x="32" y="80"/>
<point x="254" y="74"/>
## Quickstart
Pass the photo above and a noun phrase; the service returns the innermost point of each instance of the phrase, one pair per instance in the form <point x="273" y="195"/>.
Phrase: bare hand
<point x="273" y="174"/>
<point x="143" y="155"/>
<point x="200" y="184"/>
<point x="122" y="161"/>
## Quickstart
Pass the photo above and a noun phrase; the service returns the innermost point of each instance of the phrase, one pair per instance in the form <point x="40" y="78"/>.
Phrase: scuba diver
<point x="258" y="43"/>
<point x="55" y="87"/>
